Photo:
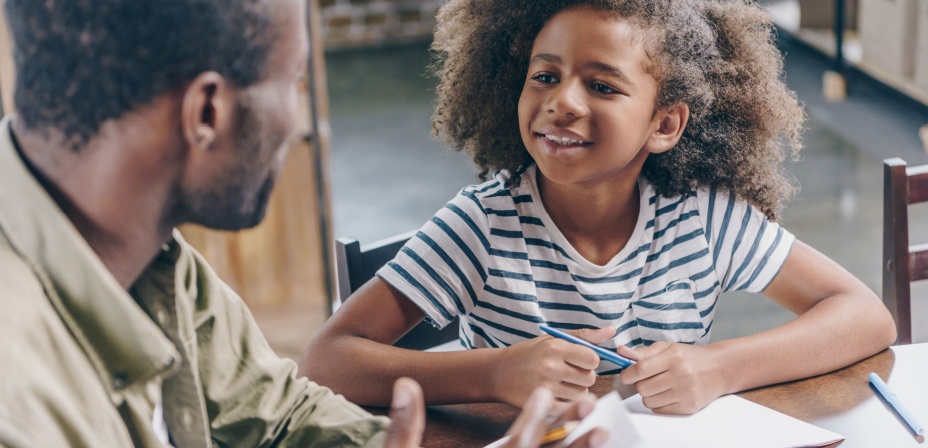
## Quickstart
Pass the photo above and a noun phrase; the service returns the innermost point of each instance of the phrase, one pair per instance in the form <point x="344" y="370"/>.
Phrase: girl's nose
<point x="568" y="99"/>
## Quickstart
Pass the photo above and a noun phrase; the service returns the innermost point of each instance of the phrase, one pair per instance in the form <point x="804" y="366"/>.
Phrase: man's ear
<point x="205" y="110"/>
<point x="669" y="124"/>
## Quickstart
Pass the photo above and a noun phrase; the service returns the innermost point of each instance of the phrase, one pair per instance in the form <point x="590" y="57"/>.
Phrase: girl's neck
<point x="598" y="220"/>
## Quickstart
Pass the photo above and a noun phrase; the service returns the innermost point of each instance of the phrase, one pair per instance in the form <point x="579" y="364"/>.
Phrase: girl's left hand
<point x="674" y="378"/>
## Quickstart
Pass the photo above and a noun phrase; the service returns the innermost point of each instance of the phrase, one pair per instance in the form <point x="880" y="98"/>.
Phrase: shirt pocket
<point x="670" y="315"/>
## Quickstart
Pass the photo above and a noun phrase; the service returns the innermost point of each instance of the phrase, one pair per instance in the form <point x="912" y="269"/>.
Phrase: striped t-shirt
<point x="493" y="257"/>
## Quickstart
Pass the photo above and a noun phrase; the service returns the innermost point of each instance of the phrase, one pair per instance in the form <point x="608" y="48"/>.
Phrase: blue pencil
<point x="894" y="402"/>
<point x="603" y="353"/>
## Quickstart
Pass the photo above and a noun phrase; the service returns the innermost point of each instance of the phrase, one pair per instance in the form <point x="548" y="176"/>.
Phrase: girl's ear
<point x="669" y="124"/>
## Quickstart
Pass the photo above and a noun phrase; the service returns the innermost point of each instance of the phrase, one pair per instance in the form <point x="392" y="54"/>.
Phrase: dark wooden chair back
<point x="902" y="263"/>
<point x="355" y="265"/>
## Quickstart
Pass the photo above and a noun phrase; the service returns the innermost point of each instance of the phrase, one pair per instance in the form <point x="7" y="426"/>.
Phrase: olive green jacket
<point x="83" y="362"/>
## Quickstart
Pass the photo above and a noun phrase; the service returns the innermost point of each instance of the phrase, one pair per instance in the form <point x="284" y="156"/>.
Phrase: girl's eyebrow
<point x="614" y="71"/>
<point x="596" y="66"/>
<point x="546" y="57"/>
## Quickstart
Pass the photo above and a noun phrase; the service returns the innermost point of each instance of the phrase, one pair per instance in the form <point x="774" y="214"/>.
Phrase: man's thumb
<point x="407" y="410"/>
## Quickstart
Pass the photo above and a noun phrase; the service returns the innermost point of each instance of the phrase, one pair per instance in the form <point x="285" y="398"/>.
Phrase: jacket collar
<point x="121" y="341"/>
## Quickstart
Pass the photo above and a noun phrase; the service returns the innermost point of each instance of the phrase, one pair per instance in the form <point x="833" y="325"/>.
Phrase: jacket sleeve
<point x="252" y="396"/>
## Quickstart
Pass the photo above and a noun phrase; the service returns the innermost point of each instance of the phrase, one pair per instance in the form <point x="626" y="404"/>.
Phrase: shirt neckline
<point x="558" y="238"/>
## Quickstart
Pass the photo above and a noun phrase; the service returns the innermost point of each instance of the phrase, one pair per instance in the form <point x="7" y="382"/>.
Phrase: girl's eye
<point x="544" y="78"/>
<point x="602" y="88"/>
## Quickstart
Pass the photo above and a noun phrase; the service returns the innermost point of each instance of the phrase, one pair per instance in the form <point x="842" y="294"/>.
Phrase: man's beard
<point x="241" y="201"/>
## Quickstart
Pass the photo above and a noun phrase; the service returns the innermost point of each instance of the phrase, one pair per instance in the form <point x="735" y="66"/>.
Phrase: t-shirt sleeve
<point x="748" y="250"/>
<point x="442" y="267"/>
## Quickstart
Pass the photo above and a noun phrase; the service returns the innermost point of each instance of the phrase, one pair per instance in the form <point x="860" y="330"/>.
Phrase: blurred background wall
<point x="358" y="23"/>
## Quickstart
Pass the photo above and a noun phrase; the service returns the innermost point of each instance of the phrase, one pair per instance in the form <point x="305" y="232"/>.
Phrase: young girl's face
<point x="587" y="106"/>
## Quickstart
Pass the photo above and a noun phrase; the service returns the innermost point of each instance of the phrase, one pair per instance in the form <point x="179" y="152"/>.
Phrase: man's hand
<point x="532" y="424"/>
<point x="407" y="410"/>
<point x="567" y="369"/>
<point x="674" y="378"/>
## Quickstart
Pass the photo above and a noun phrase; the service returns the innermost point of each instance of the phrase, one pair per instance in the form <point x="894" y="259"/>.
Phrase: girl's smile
<point x="560" y="142"/>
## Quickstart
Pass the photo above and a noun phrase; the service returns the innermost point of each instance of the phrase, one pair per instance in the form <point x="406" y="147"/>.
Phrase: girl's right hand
<point x="567" y="369"/>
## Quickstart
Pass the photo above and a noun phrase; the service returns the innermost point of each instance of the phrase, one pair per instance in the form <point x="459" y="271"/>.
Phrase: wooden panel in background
<point x="279" y="261"/>
<point x="281" y="268"/>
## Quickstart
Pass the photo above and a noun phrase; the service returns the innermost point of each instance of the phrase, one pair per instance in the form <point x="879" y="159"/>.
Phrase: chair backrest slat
<point x="349" y="266"/>
<point x="357" y="264"/>
<point x="918" y="262"/>
<point x="377" y="254"/>
<point x="918" y="184"/>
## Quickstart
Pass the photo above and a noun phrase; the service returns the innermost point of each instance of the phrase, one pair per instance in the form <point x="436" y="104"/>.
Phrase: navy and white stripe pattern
<point x="493" y="257"/>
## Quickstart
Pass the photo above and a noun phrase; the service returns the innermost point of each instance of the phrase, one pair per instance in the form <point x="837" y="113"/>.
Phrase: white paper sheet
<point x="729" y="421"/>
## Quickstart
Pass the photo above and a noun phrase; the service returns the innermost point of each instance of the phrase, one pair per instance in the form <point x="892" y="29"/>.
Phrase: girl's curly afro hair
<point x="717" y="56"/>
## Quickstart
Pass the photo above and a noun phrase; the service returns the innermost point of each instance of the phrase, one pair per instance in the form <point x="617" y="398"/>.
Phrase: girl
<point x="637" y="146"/>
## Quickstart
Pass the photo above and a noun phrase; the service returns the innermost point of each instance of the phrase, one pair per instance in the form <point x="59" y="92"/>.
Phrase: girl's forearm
<point x="836" y="332"/>
<point x="364" y="371"/>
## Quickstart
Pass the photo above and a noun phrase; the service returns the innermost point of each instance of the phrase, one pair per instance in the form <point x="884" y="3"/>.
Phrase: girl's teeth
<point x="563" y="140"/>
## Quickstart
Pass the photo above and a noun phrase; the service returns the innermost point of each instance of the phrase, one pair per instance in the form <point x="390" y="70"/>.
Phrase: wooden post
<point x="318" y="103"/>
<point x="7" y="70"/>
<point x="896" y="278"/>
<point x="923" y="135"/>
<point x="834" y="82"/>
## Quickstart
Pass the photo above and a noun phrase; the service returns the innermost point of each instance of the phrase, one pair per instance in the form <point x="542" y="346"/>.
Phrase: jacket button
<point x="186" y="418"/>
<point x="120" y="380"/>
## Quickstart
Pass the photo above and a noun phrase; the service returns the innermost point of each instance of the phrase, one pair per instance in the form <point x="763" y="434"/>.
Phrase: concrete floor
<point x="388" y="175"/>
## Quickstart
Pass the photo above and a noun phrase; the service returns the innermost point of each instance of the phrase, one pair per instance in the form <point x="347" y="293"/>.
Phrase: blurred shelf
<point x="905" y="86"/>
<point x="786" y="15"/>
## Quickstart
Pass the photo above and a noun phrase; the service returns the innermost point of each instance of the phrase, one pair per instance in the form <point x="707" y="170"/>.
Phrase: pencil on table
<point x="558" y="433"/>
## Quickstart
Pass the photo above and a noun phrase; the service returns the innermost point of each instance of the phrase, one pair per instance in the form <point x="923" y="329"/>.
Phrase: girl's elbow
<point x="883" y="325"/>
<point x="887" y="330"/>
<point x="308" y="364"/>
<point x="878" y="323"/>
<point x="311" y="365"/>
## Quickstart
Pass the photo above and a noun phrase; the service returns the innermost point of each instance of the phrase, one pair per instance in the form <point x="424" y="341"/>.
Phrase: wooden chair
<point x="902" y="263"/>
<point x="355" y="265"/>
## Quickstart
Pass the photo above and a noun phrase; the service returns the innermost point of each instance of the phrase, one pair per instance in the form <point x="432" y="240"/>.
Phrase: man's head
<point x="227" y="69"/>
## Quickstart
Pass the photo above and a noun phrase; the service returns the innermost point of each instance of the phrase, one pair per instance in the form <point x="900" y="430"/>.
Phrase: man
<point x="135" y="117"/>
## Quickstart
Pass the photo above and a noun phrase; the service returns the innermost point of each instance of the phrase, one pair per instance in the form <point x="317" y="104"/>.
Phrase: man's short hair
<point x="80" y="63"/>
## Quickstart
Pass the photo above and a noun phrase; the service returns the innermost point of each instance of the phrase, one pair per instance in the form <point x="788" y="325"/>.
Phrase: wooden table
<point x="841" y="401"/>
